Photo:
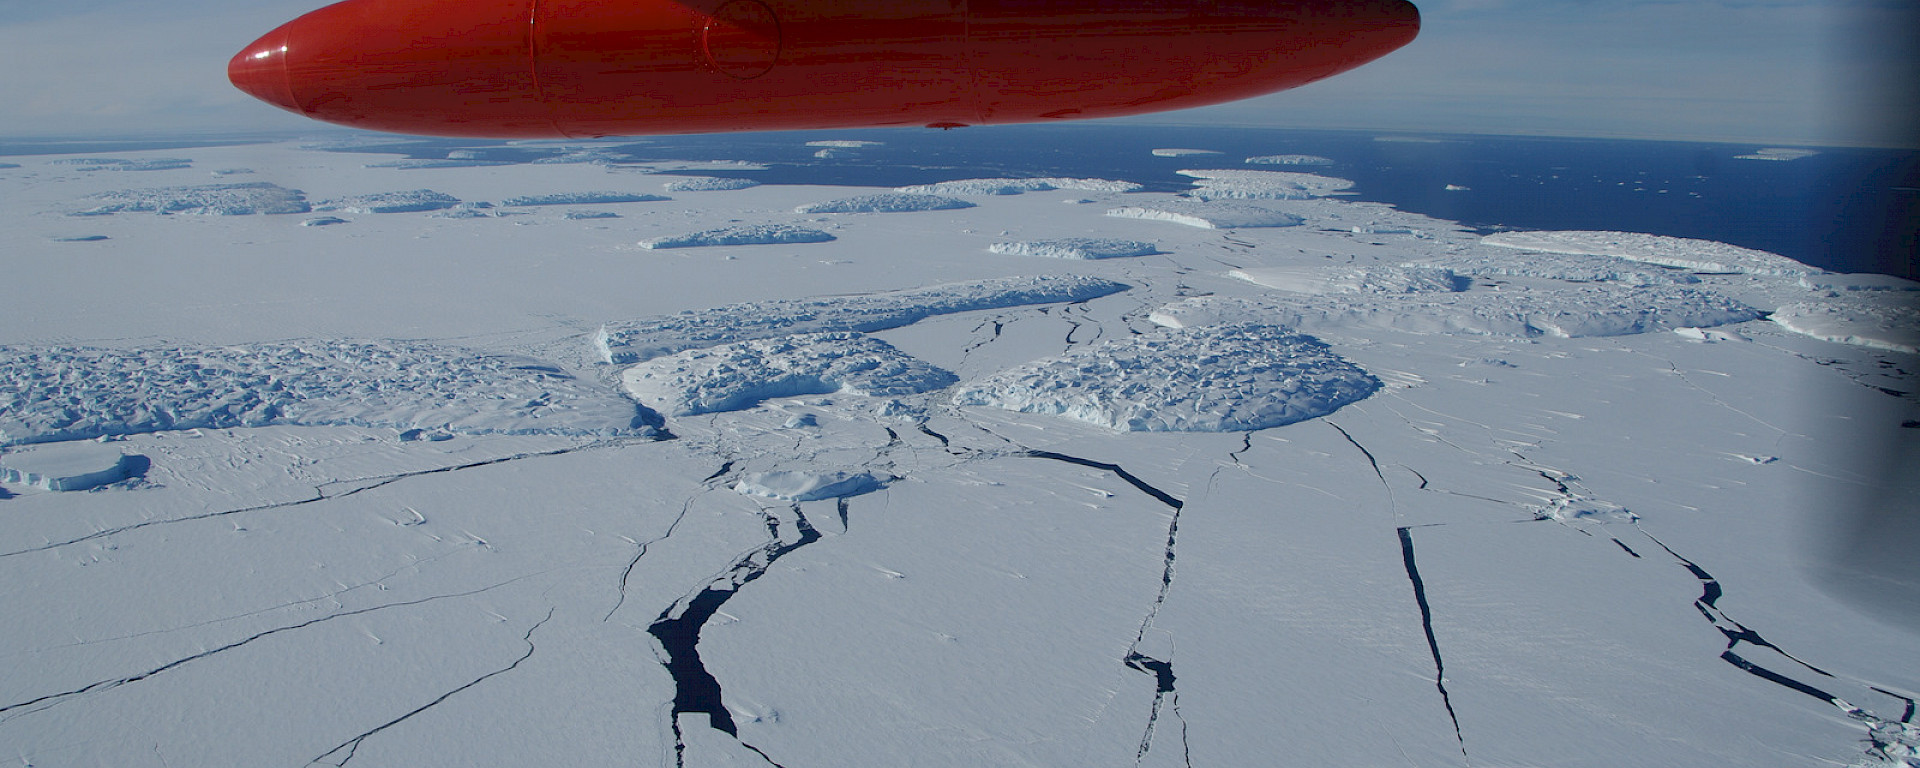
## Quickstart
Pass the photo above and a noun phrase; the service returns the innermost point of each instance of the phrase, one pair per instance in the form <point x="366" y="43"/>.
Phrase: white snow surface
<point x="709" y="184"/>
<point x="640" y="340"/>
<point x="123" y="164"/>
<point x="1208" y="215"/>
<point x="1263" y="185"/>
<point x="793" y="485"/>
<point x="73" y="393"/>
<point x="1889" y="325"/>
<point x="885" y="202"/>
<point x="746" y="234"/>
<point x="1344" y="280"/>
<point x="1681" y="252"/>
<point x="1223" y="378"/>
<point x="1077" y="248"/>
<point x="241" y="199"/>
<point x="731" y="377"/>
<point x="412" y="201"/>
<point x="1574" y="312"/>
<point x="983" y="187"/>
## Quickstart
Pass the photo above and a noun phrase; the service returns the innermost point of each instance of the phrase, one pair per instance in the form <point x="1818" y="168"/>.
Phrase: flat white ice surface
<point x="1681" y="252"/>
<point x="1890" y="325"/>
<point x="1224" y="378"/>
<point x="75" y="466"/>
<point x="1325" y="280"/>
<point x="1552" y="532"/>
<point x="1207" y="215"/>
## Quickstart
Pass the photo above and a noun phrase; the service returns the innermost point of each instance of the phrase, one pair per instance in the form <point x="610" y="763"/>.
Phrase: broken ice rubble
<point x="206" y="199"/>
<point x="639" y="340"/>
<point x="1207" y="215"/>
<point x="979" y="187"/>
<point x="412" y="201"/>
<point x="1077" y="248"/>
<point x="1588" y="310"/>
<point x="582" y="198"/>
<point x="752" y="234"/>
<point x="1373" y="280"/>
<point x="1263" y="185"/>
<point x="886" y="202"/>
<point x="736" y="376"/>
<point x="1243" y="376"/>
<point x="72" y="393"/>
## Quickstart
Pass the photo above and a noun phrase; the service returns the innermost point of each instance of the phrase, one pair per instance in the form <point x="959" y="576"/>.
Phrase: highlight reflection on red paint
<point x="582" y="68"/>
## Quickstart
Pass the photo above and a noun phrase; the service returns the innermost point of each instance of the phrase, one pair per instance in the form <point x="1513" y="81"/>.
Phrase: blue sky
<point x="1761" y="71"/>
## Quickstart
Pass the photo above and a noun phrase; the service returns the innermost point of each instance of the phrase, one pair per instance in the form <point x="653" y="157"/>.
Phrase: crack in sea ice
<point x="42" y="703"/>
<point x="1889" y="742"/>
<point x="1165" y="695"/>
<point x="352" y="746"/>
<point x="696" y="690"/>
<point x="1433" y="643"/>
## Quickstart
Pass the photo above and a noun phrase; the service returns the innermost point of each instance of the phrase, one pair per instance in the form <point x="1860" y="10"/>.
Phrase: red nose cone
<point x="260" y="69"/>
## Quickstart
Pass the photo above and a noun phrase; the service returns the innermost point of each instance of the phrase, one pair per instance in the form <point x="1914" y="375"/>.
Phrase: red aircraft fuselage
<point x="587" y="68"/>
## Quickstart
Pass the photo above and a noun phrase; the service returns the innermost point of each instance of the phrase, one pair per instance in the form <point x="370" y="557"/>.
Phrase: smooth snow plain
<point x="467" y="478"/>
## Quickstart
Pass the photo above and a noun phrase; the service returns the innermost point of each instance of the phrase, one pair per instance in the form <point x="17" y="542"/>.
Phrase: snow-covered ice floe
<point x="808" y="486"/>
<point x="1579" y="268"/>
<point x="1289" y="160"/>
<point x="1778" y="153"/>
<point x="120" y="164"/>
<point x="582" y="198"/>
<point x="737" y="376"/>
<point x="845" y="143"/>
<point x="68" y="466"/>
<point x="886" y="202"/>
<point x="73" y="393"/>
<point x="323" y="221"/>
<point x="1885" y="325"/>
<point x="1226" y="378"/>
<point x="1681" y="252"/>
<point x="418" y="163"/>
<point x="1207" y="215"/>
<point x="1343" y="279"/>
<point x="751" y="234"/>
<point x="1842" y="283"/>
<point x="980" y="187"/>
<point x="709" y="184"/>
<point x="206" y="199"/>
<point x="1179" y="152"/>
<point x="1263" y="185"/>
<point x="1077" y="248"/>
<point x="588" y="215"/>
<point x="639" y="340"/>
<point x="411" y="201"/>
<point x="1589" y="310"/>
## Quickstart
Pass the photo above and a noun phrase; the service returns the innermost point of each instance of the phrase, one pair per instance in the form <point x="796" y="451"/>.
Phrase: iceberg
<point x="1077" y="248"/>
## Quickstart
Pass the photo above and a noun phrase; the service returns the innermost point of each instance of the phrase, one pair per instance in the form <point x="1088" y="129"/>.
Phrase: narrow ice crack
<point x="352" y="746"/>
<point x="1433" y="643"/>
<point x="320" y="494"/>
<point x="45" y="702"/>
<point x="627" y="573"/>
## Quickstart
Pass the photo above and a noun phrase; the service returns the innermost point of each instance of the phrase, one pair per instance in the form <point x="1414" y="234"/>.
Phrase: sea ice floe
<point x="323" y="221"/>
<point x="1889" y="325"/>
<point x="119" y="164"/>
<point x="1579" y="268"/>
<point x="70" y="393"/>
<point x="1289" y="160"/>
<point x="411" y="201"/>
<point x="582" y="198"/>
<point x="845" y="143"/>
<point x="733" y="377"/>
<point x="750" y="234"/>
<point x="1577" y="311"/>
<point x="588" y="215"/>
<point x="1681" y="252"/>
<point x="1208" y="215"/>
<point x="1346" y="280"/>
<point x="807" y="486"/>
<point x="80" y="239"/>
<point x="1077" y="248"/>
<point x="885" y="202"/>
<point x="709" y="184"/>
<point x="1177" y="152"/>
<point x="1226" y="378"/>
<point x="638" y="340"/>
<point x="479" y="210"/>
<point x="1840" y="283"/>
<point x="206" y="199"/>
<point x="1263" y="185"/>
<point x="74" y="466"/>
<point x="980" y="187"/>
<point x="415" y="163"/>
<point x="1778" y="153"/>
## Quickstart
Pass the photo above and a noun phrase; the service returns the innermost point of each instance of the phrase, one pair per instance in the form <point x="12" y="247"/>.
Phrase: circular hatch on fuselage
<point x="742" y="39"/>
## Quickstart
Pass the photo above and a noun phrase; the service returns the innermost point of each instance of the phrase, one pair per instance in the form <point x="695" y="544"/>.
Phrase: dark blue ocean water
<point x="1847" y="210"/>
